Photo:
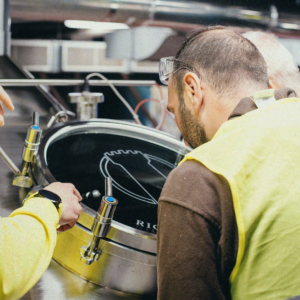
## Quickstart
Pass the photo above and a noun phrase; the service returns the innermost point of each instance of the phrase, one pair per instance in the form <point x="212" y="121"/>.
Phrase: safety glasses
<point x="166" y="68"/>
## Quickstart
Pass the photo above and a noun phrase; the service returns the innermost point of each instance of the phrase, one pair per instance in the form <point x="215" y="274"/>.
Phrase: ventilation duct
<point x="164" y="13"/>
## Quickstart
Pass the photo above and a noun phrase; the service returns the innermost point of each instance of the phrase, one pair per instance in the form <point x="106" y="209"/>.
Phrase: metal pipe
<point x="25" y="169"/>
<point x="7" y="31"/>
<point x="147" y="12"/>
<point x="36" y="119"/>
<point x="4" y="28"/>
<point x="108" y="187"/>
<point x="9" y="162"/>
<point x="73" y="82"/>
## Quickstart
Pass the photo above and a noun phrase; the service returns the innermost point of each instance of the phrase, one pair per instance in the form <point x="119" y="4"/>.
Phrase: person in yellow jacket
<point x="228" y="217"/>
<point x="28" y="235"/>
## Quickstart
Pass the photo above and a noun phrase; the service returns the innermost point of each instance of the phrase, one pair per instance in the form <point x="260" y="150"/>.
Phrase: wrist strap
<point x="58" y="207"/>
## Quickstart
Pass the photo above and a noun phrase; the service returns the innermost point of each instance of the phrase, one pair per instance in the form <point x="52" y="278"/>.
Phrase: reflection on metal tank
<point x="138" y="160"/>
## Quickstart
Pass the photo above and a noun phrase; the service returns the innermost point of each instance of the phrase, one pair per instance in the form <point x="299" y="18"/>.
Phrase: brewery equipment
<point x="118" y="253"/>
<point x="111" y="247"/>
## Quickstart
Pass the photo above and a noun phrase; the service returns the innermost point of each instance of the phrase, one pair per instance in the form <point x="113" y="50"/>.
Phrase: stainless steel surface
<point x="86" y="104"/>
<point x="72" y="82"/>
<point x="120" y="268"/>
<point x="57" y="282"/>
<point x="152" y="12"/>
<point x="95" y="194"/>
<point x="108" y="186"/>
<point x="36" y="119"/>
<point x="92" y="252"/>
<point x="101" y="225"/>
<point x="60" y="117"/>
<point x="104" y="216"/>
<point x="32" y="142"/>
<point x="125" y="258"/>
<point x="9" y="162"/>
<point x="5" y="33"/>
<point x="31" y="146"/>
<point x="107" y="209"/>
<point x="60" y="284"/>
<point x="121" y="233"/>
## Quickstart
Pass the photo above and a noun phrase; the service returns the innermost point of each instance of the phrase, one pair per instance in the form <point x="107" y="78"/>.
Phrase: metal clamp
<point x="101" y="225"/>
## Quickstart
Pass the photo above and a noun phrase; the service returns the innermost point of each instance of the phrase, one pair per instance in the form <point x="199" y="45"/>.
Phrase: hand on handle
<point x="70" y="201"/>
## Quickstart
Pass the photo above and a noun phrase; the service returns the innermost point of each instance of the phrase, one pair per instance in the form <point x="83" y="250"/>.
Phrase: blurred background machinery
<point x="125" y="39"/>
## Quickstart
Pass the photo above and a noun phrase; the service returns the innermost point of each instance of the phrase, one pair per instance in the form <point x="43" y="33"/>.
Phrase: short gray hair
<point x="282" y="68"/>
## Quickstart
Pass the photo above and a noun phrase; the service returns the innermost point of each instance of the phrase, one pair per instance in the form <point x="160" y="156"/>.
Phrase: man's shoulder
<point x="188" y="167"/>
<point x="190" y="171"/>
<point x="191" y="185"/>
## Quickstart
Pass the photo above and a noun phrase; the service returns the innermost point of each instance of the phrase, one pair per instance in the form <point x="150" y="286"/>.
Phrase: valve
<point x="101" y="225"/>
<point x="87" y="104"/>
<point x="31" y="147"/>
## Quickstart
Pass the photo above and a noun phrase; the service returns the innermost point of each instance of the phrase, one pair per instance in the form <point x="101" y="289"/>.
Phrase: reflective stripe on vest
<point x="259" y="155"/>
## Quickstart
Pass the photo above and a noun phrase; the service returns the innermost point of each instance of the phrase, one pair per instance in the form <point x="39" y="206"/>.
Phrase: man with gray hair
<point x="282" y="68"/>
<point x="228" y="215"/>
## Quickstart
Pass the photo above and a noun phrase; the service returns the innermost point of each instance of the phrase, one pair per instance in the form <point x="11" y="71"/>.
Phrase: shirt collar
<point x="247" y="104"/>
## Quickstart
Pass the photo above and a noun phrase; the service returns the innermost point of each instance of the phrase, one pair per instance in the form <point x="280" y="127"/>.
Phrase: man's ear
<point x="193" y="91"/>
<point x="273" y="84"/>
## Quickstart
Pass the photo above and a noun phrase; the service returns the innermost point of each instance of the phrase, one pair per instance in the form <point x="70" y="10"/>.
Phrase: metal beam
<point x="73" y="82"/>
<point x="4" y="28"/>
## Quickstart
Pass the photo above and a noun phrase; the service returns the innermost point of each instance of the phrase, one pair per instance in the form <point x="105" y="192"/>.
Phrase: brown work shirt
<point x="197" y="239"/>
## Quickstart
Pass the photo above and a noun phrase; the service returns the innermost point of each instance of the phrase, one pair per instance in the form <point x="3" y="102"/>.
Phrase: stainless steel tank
<point x="138" y="160"/>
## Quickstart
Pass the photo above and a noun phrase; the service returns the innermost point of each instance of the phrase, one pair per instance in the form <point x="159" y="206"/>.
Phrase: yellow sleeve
<point x="27" y="241"/>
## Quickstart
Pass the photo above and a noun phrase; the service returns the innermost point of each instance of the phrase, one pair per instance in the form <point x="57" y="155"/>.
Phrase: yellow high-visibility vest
<point x="259" y="155"/>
